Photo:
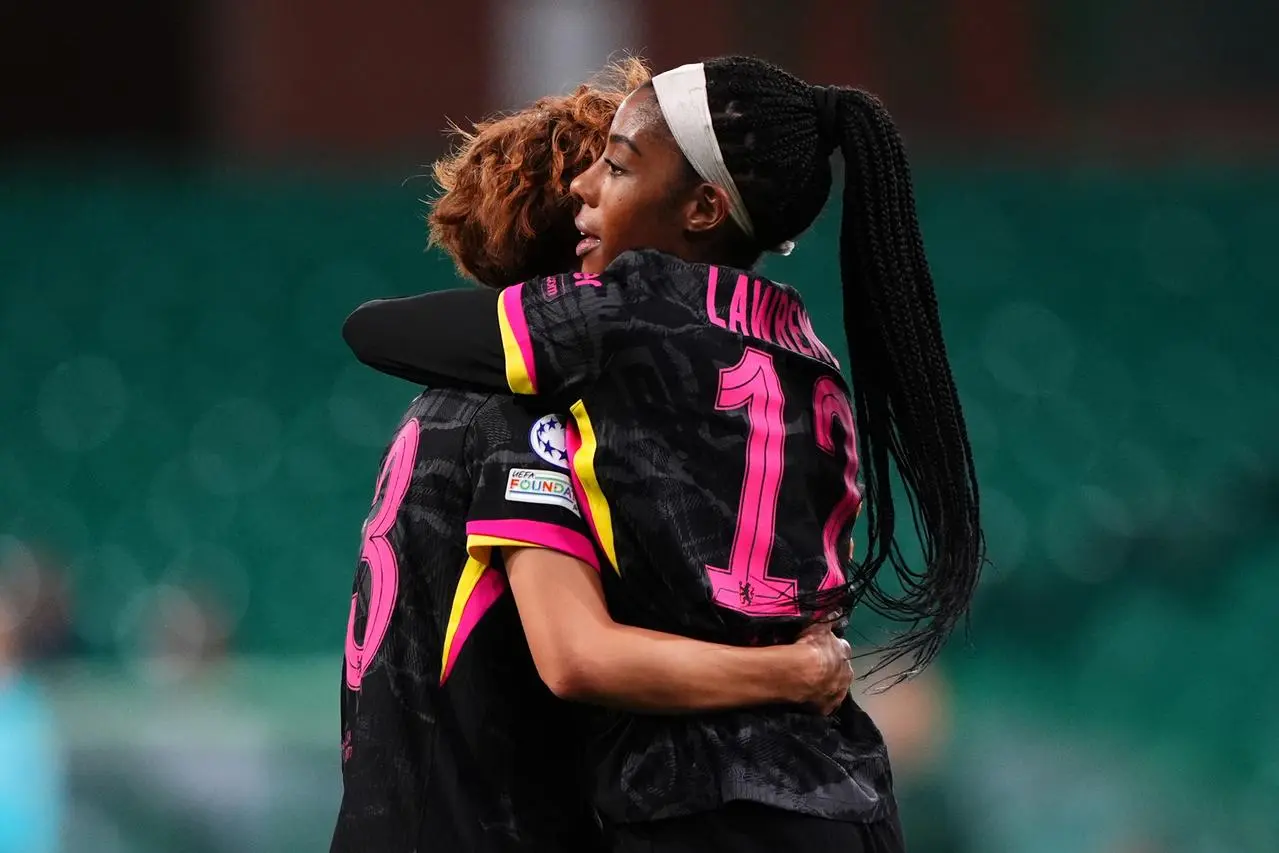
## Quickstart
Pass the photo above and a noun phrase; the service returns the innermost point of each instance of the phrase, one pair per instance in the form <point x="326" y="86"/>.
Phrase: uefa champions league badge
<point x="549" y="440"/>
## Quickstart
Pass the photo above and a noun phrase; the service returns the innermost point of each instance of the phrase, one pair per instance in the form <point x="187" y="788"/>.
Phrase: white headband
<point x="681" y="96"/>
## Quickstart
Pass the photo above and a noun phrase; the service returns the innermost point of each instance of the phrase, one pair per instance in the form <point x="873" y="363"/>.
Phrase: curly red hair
<point x="504" y="213"/>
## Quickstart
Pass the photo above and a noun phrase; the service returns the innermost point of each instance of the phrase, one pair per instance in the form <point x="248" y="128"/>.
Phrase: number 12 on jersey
<point x="745" y="585"/>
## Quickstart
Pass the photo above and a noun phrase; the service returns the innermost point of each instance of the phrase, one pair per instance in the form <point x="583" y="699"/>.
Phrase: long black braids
<point x="777" y="133"/>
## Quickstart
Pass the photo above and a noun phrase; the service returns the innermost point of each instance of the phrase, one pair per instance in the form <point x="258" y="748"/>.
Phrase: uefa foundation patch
<point x="528" y="485"/>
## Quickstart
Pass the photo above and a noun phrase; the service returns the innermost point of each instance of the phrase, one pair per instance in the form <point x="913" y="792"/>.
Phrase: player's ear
<point x="705" y="209"/>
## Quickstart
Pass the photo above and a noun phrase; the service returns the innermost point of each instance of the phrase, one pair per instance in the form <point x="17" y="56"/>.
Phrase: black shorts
<point x="742" y="827"/>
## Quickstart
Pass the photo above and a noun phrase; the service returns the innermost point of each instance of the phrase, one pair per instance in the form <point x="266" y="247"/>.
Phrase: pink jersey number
<point x="745" y="585"/>
<point x="384" y="573"/>
<point x="830" y="405"/>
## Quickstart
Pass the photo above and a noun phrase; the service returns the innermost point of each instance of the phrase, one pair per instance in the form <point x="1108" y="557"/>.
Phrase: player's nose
<point x="584" y="187"/>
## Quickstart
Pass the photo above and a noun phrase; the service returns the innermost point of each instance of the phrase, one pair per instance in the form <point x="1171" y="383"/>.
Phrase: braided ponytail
<point x="777" y="133"/>
<point x="907" y="407"/>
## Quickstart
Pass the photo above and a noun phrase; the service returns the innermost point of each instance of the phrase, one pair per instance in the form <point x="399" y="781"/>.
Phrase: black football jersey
<point x="714" y="453"/>
<point x="450" y="739"/>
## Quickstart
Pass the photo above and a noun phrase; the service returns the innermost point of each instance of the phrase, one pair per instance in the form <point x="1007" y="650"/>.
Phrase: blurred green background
<point x="189" y="450"/>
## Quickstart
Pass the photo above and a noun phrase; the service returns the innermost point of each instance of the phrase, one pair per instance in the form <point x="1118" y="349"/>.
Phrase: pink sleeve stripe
<point x="537" y="534"/>
<point x="573" y="440"/>
<point x="474" y="602"/>
<point x="513" y="303"/>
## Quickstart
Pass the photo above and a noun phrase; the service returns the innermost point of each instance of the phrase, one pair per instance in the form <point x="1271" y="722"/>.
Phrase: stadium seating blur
<point x="179" y="410"/>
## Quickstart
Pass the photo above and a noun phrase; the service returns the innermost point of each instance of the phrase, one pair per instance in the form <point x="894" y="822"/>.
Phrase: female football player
<point x="658" y="355"/>
<point x="449" y="739"/>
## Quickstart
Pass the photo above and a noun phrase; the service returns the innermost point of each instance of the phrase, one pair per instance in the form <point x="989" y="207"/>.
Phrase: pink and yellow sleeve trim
<point x="480" y="585"/>
<point x="483" y="536"/>
<point x="478" y="589"/>
<point x="517" y="346"/>
<point x="583" y="446"/>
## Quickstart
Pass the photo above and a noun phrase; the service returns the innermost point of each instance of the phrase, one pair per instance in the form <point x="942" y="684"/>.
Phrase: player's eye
<point x="613" y="168"/>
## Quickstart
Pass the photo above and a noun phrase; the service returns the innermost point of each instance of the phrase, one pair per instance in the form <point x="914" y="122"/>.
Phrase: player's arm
<point x="583" y="655"/>
<point x="547" y="336"/>
<point x="449" y="338"/>
<point x="523" y="506"/>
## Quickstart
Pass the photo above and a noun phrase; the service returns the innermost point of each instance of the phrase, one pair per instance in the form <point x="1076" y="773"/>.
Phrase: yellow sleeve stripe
<point x="517" y="346"/>
<point x="598" y="513"/>
<point x="477" y="590"/>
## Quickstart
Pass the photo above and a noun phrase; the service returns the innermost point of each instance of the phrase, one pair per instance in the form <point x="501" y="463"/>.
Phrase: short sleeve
<point x="558" y="332"/>
<point x="523" y="493"/>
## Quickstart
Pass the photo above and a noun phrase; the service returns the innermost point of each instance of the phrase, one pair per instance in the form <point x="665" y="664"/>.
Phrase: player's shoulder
<point x="650" y="267"/>
<point x="649" y="280"/>
<point x="511" y="408"/>
<point x="523" y="424"/>
<point x="446" y="409"/>
<point x="634" y="277"/>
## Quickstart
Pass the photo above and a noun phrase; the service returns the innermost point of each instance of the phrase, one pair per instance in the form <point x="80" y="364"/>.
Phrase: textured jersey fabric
<point x="450" y="739"/>
<point x="714" y="454"/>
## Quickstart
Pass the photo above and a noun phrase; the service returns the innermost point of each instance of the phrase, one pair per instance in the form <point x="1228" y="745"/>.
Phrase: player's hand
<point x="827" y="666"/>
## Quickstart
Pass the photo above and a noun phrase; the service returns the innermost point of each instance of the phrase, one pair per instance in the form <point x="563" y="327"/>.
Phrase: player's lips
<point x="589" y="241"/>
